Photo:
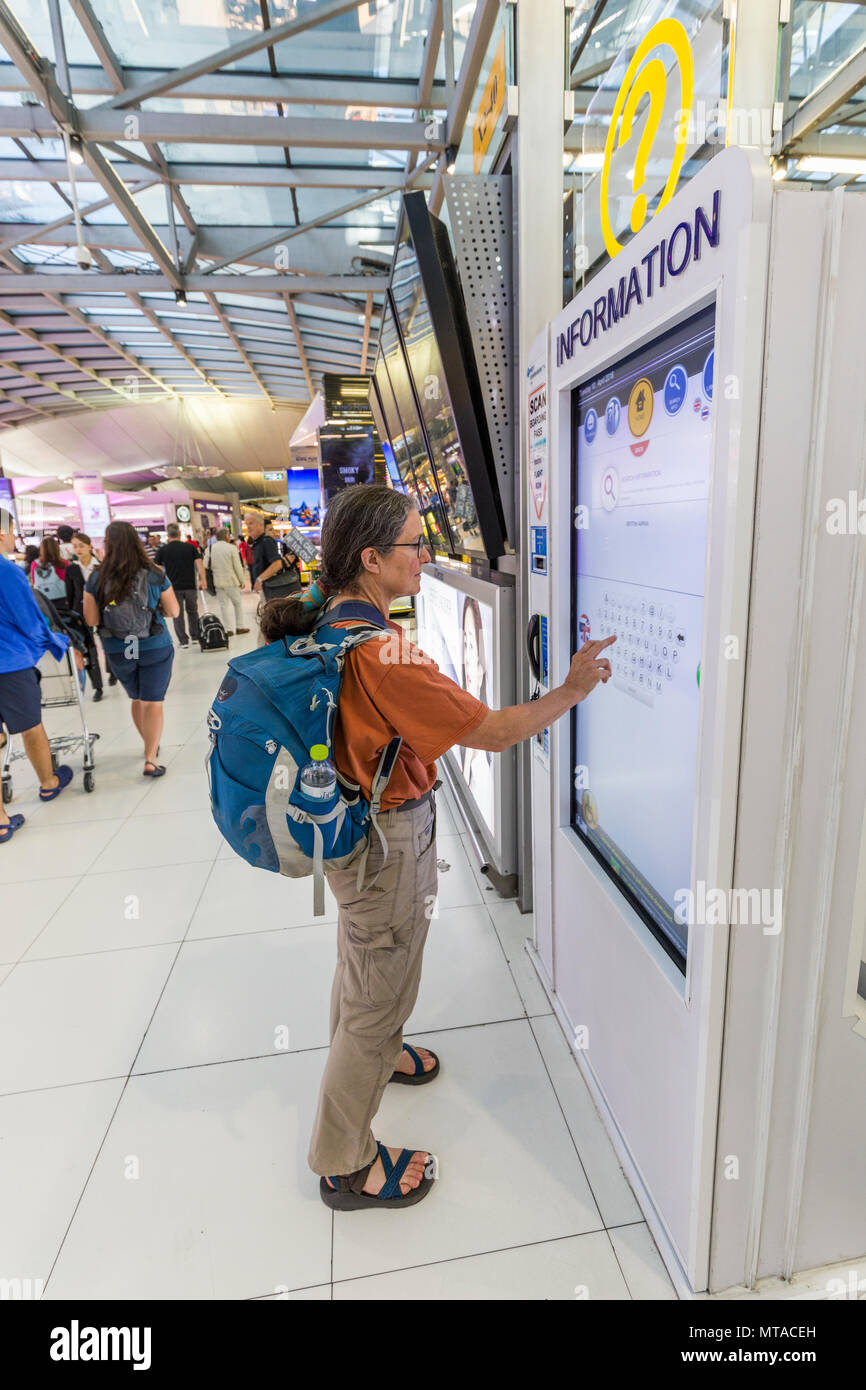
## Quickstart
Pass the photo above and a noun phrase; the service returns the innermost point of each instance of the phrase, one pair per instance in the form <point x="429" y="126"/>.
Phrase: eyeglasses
<point x="418" y="546"/>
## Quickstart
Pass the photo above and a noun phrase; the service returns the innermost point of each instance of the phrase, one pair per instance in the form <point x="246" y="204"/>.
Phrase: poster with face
<point x="456" y="630"/>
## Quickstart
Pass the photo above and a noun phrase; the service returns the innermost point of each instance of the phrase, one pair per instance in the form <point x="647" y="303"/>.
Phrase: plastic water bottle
<point x="319" y="776"/>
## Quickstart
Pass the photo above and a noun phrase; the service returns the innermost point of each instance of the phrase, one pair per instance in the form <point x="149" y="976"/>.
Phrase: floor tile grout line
<point x="474" y="1255"/>
<point x="116" y="1107"/>
<point x="252" y="1057"/>
<point x="565" y="1120"/>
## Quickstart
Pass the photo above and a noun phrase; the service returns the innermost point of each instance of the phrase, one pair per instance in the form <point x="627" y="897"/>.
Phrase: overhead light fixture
<point x="76" y="150"/>
<point x="827" y="164"/>
<point x="780" y="170"/>
<point x="180" y="298"/>
<point x="450" y="159"/>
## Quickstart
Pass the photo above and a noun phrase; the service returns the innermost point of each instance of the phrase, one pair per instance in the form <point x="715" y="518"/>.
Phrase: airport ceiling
<point x="238" y="167"/>
<point x="241" y="169"/>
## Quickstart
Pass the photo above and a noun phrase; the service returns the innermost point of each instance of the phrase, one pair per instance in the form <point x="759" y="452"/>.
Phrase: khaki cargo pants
<point x="380" y="940"/>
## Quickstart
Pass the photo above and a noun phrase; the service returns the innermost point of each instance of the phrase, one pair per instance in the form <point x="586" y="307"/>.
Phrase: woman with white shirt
<point x="224" y="562"/>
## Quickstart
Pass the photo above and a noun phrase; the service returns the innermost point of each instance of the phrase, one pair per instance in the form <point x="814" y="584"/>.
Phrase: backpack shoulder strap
<point x="363" y="612"/>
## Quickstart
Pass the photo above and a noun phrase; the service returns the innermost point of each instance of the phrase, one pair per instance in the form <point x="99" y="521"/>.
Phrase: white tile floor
<point x="163" y="1028"/>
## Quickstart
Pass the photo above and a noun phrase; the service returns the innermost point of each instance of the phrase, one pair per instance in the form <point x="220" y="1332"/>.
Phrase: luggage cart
<point x="56" y="693"/>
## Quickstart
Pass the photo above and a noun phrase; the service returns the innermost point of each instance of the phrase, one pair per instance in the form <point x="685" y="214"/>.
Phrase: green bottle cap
<point x="319" y="752"/>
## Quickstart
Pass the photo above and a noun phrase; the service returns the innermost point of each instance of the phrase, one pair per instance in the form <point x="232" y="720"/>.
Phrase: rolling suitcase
<point x="212" y="636"/>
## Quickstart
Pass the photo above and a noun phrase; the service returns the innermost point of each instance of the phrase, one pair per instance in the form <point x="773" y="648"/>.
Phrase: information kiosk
<point x="663" y="939"/>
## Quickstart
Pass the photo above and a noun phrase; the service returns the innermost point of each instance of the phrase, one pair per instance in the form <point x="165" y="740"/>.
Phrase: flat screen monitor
<point x="456" y="630"/>
<point x="304" y="497"/>
<point x="378" y="414"/>
<point x="424" y="484"/>
<point x="428" y="375"/>
<point x="641" y="452"/>
<point x="435" y="329"/>
<point x="348" y="457"/>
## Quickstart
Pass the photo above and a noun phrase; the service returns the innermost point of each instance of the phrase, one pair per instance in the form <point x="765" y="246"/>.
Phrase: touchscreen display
<point x="456" y="631"/>
<point x="641" y="450"/>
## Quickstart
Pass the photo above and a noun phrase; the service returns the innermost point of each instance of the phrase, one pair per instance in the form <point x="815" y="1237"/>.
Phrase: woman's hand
<point x="587" y="669"/>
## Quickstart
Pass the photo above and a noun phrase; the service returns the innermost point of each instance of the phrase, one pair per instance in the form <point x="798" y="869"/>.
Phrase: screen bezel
<point x="705" y="304"/>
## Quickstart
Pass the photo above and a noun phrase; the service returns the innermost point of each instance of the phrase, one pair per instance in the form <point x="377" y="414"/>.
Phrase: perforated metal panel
<point x="480" y="216"/>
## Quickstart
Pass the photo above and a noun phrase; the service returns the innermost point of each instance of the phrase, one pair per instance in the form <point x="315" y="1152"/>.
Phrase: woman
<point x="77" y="575"/>
<point x="373" y="551"/>
<point x="126" y="598"/>
<point x="477" y="766"/>
<point x="48" y="572"/>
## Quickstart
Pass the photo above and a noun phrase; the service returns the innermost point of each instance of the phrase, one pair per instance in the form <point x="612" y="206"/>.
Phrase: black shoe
<point x="112" y="680"/>
<point x="97" y="695"/>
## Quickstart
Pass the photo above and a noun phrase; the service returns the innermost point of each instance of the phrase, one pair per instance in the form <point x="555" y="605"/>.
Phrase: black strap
<point x="351" y="608"/>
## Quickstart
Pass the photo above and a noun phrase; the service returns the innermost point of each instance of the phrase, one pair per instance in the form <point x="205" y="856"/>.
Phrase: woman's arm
<point x="91" y="610"/>
<point x="501" y="728"/>
<point x="168" y="603"/>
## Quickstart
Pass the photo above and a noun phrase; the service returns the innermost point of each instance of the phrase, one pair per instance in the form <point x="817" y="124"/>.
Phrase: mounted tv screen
<point x="435" y="333"/>
<point x="423" y="486"/>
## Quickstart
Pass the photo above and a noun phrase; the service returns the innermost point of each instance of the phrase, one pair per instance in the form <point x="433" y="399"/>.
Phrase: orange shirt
<point x="390" y="688"/>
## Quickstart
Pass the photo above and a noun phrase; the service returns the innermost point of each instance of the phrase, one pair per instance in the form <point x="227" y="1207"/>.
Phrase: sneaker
<point x="184" y="644"/>
<point x="97" y="695"/>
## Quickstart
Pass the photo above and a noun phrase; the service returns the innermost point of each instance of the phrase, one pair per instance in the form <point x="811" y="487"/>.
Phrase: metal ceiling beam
<point x="103" y="337"/>
<point x="816" y="110"/>
<point x="596" y="15"/>
<point x="346" y="90"/>
<point x="365" y="343"/>
<point x="77" y="281"/>
<point x="299" y="344"/>
<point x="430" y="55"/>
<point x="253" y="43"/>
<point x="56" y="352"/>
<point x="11" y="364"/>
<point x="323" y="132"/>
<point x="830" y="147"/>
<point x="217" y="308"/>
<point x="31" y="234"/>
<point x="98" y="42"/>
<point x="170" y="337"/>
<point x="286" y="234"/>
<point x="59" y="110"/>
<point x="218" y="174"/>
<point x="480" y="34"/>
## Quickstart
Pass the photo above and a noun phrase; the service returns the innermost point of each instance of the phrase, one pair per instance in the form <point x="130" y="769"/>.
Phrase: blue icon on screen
<point x="676" y="386"/>
<point x="613" y="415"/>
<point x="708" y="375"/>
<point x="590" y="426"/>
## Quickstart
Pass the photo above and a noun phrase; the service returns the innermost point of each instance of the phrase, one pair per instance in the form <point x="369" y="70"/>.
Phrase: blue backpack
<point x="274" y="704"/>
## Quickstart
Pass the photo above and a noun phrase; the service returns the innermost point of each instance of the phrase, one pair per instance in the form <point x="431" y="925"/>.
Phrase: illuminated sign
<point x="684" y="245"/>
<point x="648" y="77"/>
<point x="490" y="106"/>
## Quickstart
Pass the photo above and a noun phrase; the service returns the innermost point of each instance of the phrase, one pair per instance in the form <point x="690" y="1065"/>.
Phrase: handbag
<point x="281" y="585"/>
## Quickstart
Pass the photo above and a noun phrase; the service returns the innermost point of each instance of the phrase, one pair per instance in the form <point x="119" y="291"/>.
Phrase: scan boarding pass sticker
<point x="538" y="447"/>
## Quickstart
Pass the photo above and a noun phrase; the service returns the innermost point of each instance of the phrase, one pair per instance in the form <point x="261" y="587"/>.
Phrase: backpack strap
<point x="350" y="608"/>
<point x="377" y="790"/>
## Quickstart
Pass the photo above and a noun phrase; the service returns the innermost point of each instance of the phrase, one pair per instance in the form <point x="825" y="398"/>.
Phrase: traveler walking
<point x="373" y="551"/>
<point x="77" y="575"/>
<point x="48" y="573"/>
<point x="123" y="598"/>
<point x="24" y="638"/>
<point x="151" y="545"/>
<point x="182" y="564"/>
<point x="227" y="571"/>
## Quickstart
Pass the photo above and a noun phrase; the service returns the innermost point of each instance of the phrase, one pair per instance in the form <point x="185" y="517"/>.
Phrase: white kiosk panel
<point x="643" y="992"/>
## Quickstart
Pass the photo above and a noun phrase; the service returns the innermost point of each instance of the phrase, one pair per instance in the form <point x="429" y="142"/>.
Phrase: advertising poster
<point x="305" y="499"/>
<point x="92" y="504"/>
<point x="456" y="631"/>
<point x="537" y="407"/>
<point x="348" y="457"/>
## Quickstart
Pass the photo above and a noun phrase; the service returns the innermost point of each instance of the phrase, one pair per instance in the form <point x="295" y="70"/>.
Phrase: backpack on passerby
<point x="275" y="704"/>
<point x="132" y="616"/>
<point x="47" y="581"/>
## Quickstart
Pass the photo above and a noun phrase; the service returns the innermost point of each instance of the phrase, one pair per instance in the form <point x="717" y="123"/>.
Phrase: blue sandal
<point x="348" y="1192"/>
<point x="64" y="777"/>
<point x="7" y="831"/>
<point x="419" y="1077"/>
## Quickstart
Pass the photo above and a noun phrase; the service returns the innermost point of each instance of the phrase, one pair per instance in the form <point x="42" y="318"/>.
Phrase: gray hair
<point x="172" y="529"/>
<point x="222" y="534"/>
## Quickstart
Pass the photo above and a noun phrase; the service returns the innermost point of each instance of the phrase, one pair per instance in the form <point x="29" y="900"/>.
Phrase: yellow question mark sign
<point x="651" y="80"/>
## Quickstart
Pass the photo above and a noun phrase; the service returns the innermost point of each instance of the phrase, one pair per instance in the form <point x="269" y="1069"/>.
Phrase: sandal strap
<point x="392" y="1184"/>
<point x="419" y="1065"/>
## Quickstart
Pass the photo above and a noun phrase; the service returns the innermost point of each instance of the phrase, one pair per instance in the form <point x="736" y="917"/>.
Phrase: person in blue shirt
<point x="24" y="638"/>
<point x="135" y="639"/>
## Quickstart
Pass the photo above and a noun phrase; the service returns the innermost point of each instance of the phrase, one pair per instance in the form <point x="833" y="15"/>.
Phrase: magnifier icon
<point x="609" y="489"/>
